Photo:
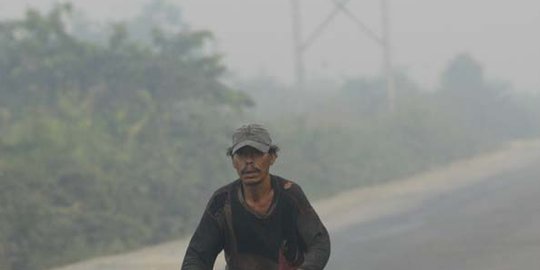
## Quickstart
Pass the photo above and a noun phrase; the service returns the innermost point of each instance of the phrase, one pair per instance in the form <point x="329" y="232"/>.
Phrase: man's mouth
<point x="250" y="173"/>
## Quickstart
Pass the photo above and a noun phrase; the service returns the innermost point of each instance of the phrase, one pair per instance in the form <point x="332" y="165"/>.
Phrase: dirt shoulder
<point x="354" y="206"/>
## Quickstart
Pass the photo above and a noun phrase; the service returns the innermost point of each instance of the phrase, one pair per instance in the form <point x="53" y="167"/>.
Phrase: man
<point x="262" y="221"/>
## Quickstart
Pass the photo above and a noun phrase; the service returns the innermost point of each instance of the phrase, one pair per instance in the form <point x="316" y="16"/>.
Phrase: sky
<point x="255" y="36"/>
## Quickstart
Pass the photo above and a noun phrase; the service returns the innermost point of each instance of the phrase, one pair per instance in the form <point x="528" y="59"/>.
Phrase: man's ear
<point x="273" y="158"/>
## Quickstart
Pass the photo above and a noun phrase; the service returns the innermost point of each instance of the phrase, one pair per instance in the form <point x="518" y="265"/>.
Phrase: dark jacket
<point x="290" y="234"/>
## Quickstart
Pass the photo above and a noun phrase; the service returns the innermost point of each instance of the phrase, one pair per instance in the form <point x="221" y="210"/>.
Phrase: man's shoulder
<point x="287" y="185"/>
<point x="226" y="188"/>
<point x="293" y="192"/>
<point x="220" y="198"/>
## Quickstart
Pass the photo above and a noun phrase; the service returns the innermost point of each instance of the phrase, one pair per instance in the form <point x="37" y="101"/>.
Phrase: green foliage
<point x="488" y="107"/>
<point x="112" y="142"/>
<point x="463" y="75"/>
<point x="349" y="140"/>
<point x="104" y="147"/>
<point x="359" y="150"/>
<point x="368" y="95"/>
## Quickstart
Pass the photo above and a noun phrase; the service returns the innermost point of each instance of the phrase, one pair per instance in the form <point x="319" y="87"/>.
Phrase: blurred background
<point x="115" y="116"/>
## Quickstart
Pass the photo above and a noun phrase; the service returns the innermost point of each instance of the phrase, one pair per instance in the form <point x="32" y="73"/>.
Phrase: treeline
<point x="336" y="136"/>
<point x="105" y="146"/>
<point x="114" y="141"/>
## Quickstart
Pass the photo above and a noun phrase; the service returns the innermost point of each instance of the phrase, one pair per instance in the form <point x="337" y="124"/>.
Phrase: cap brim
<point x="257" y="145"/>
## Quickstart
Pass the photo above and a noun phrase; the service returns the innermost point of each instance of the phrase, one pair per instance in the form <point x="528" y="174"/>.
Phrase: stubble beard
<point x="252" y="182"/>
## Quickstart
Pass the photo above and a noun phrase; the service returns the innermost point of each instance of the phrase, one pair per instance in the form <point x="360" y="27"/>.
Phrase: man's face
<point x="252" y="165"/>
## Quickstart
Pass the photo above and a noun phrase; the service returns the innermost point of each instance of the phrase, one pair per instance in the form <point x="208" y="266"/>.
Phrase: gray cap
<point x="253" y="135"/>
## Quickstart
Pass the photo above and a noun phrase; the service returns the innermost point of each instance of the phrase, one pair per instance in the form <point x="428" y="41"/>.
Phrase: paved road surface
<point x="492" y="224"/>
<point x="480" y="213"/>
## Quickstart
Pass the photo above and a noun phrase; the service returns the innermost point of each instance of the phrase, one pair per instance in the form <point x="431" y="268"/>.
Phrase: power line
<point x="297" y="39"/>
<point x="318" y="31"/>
<point x="340" y="6"/>
<point x="358" y="22"/>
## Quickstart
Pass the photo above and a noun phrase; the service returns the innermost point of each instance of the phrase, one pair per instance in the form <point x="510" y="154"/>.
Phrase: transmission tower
<point x="300" y="45"/>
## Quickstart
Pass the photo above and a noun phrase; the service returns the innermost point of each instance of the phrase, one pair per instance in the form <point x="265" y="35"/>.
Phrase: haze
<point x="113" y="136"/>
<point x="255" y="35"/>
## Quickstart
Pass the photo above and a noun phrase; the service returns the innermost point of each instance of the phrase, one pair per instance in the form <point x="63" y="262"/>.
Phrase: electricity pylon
<point x="300" y="46"/>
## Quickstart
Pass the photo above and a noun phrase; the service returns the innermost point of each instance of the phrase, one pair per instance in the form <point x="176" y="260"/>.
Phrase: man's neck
<point x="259" y="197"/>
<point x="257" y="192"/>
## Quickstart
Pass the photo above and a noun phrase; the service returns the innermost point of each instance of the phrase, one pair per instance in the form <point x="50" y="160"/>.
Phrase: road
<point x="479" y="213"/>
<point x="491" y="224"/>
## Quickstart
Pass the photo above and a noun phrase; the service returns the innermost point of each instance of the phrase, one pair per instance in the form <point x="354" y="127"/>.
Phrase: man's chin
<point x="251" y="181"/>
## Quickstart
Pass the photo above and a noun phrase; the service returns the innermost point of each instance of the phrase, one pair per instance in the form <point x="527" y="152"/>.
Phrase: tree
<point x="104" y="146"/>
<point x="481" y="104"/>
<point x="463" y="76"/>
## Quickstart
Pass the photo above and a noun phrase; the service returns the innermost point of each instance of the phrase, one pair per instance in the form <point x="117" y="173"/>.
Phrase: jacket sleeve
<point x="313" y="233"/>
<point x="205" y="245"/>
